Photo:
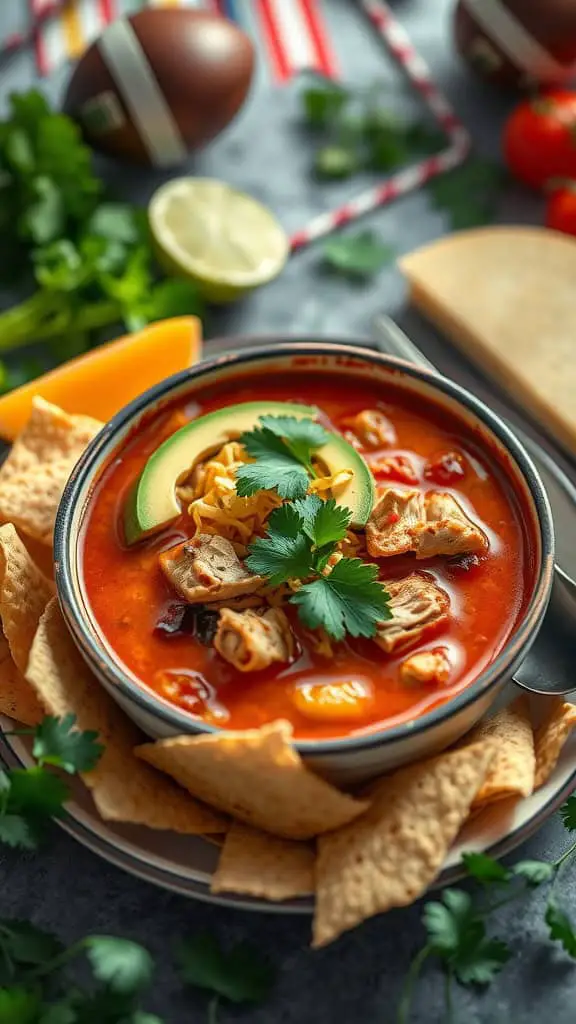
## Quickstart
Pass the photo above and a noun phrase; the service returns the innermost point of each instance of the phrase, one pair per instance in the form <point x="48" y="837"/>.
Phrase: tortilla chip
<point x="255" y="863"/>
<point x="257" y="777"/>
<point x="511" y="772"/>
<point x="40" y="461"/>
<point x="123" y="788"/>
<point x="24" y="594"/>
<point x="395" y="851"/>
<point x="17" y="698"/>
<point x="550" y="738"/>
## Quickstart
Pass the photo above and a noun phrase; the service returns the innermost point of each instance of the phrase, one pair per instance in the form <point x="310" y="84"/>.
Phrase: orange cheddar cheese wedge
<point x="102" y="381"/>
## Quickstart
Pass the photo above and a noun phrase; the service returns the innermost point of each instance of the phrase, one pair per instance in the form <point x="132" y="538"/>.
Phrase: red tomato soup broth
<point x="129" y="595"/>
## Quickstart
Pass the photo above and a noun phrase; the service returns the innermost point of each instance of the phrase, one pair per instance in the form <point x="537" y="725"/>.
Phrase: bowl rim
<point x="262" y="347"/>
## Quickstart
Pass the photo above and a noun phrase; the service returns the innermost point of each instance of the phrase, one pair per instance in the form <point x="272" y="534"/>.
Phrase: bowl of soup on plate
<point x="309" y="532"/>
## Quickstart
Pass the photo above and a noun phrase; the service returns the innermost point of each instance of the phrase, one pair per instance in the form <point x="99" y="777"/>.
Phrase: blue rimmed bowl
<point x="353" y="758"/>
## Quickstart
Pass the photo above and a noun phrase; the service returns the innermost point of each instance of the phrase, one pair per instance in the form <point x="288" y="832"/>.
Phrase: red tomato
<point x="446" y="469"/>
<point x="540" y="138"/>
<point x="561" y="209"/>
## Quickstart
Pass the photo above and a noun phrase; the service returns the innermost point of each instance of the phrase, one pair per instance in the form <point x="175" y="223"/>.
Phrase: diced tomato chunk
<point x="393" y="467"/>
<point x="446" y="469"/>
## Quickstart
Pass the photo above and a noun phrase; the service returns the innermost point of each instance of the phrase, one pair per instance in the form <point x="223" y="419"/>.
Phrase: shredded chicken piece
<point x="207" y="569"/>
<point x="448" y="530"/>
<point x="390" y="529"/>
<point x="428" y="524"/>
<point x="426" y="668"/>
<point x="372" y="429"/>
<point x="417" y="605"/>
<point x="251" y="641"/>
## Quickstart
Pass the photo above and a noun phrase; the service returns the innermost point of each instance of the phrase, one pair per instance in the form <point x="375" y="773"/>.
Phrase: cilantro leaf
<point x="288" y="520"/>
<point x="349" y="600"/>
<point x="18" y="1006"/>
<point x="336" y="162"/>
<point x="123" y="965"/>
<point x="323" y="101"/>
<point x="560" y="928"/>
<point x="24" y="943"/>
<point x="358" y="255"/>
<point x="457" y="934"/>
<point x="281" y="558"/>
<point x="240" y="976"/>
<point x="282" y="447"/>
<point x="534" y="871"/>
<point x="36" y="792"/>
<point x="484" y="868"/>
<point x="59" y="743"/>
<point x="301" y="437"/>
<point x="324" y="522"/>
<point x="275" y="468"/>
<point x="568" y="813"/>
<point x="16" y="831"/>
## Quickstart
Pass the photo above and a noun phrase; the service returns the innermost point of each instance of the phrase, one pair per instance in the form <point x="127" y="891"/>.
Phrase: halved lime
<point x="219" y="238"/>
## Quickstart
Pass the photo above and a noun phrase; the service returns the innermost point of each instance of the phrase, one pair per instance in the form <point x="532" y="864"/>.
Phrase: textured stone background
<point x="68" y="888"/>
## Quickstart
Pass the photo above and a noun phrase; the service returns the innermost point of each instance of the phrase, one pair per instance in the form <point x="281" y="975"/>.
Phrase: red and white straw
<point x="410" y="178"/>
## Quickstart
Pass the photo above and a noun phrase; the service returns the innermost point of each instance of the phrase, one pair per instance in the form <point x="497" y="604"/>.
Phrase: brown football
<point x="159" y="84"/>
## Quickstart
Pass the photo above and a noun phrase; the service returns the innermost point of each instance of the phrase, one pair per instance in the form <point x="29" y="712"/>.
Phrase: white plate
<point x="184" y="864"/>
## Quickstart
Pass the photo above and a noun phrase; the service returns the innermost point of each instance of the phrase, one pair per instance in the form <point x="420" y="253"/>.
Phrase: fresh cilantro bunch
<point x="30" y="797"/>
<point x="302" y="537"/>
<point x="357" y="132"/>
<point x="457" y="924"/>
<point x="89" y="259"/>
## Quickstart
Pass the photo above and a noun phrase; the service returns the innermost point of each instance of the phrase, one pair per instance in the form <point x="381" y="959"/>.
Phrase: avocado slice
<point x="153" y="504"/>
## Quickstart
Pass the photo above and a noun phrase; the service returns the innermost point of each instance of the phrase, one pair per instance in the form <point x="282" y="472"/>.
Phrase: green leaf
<point x="349" y="600"/>
<point x="18" y="1006"/>
<point x="323" y="102"/>
<point x="16" y="831"/>
<point x="36" y="792"/>
<point x="484" y="868"/>
<point x="301" y="436"/>
<point x="19" y="151"/>
<point x="535" y="872"/>
<point x="123" y="965"/>
<point x="358" y="255"/>
<point x="118" y="222"/>
<point x="276" y="467"/>
<point x="329" y="524"/>
<point x="468" y="194"/>
<point x="172" y="298"/>
<point x="59" y="1013"/>
<point x="59" y="743"/>
<point x="280" y="558"/>
<point x="560" y="928"/>
<point x="287" y="520"/>
<point x="240" y="976"/>
<point x="44" y="218"/>
<point x="336" y="162"/>
<point x="568" y="813"/>
<point x="458" y="936"/>
<point x="144" y="1018"/>
<point x="61" y="268"/>
<point x="26" y="944"/>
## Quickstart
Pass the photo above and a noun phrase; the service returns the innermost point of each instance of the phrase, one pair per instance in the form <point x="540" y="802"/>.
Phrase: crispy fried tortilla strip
<point x="257" y="777"/>
<point x="551" y="736"/>
<point x="123" y="787"/>
<point x="511" y="772"/>
<point x="24" y="594"/>
<point x="255" y="863"/>
<point x="17" y="698"/>
<point x="390" y="856"/>
<point x="35" y="472"/>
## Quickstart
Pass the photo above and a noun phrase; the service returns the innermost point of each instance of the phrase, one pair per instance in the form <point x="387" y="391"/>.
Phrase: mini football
<point x="159" y="84"/>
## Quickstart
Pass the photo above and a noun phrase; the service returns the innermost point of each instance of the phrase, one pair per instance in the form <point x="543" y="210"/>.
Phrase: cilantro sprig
<point x="282" y="447"/>
<point x="300" y="541"/>
<point x="30" y="797"/>
<point x="36" y="988"/>
<point x="457" y="924"/>
<point x="240" y="975"/>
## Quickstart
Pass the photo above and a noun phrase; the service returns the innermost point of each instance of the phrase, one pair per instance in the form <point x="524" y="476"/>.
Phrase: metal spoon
<point x="550" y="665"/>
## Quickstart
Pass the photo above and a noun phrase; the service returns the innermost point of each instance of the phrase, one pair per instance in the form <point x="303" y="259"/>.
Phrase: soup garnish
<point x="339" y="561"/>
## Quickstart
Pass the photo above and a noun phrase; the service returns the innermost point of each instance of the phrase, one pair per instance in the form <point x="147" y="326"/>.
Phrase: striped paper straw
<point x="417" y="71"/>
